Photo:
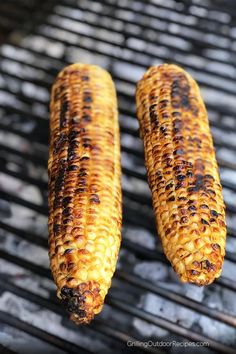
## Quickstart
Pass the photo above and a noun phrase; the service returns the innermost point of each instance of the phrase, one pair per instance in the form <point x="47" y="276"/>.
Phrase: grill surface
<point x="125" y="37"/>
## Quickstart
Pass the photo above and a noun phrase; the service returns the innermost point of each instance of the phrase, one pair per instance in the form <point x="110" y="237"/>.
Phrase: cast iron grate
<point x="125" y="37"/>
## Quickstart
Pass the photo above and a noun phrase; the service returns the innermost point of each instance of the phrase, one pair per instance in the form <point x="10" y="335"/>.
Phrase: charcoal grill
<point x="38" y="38"/>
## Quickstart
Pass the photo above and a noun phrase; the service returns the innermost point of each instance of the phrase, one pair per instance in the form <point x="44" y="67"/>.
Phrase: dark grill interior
<point x="146" y="302"/>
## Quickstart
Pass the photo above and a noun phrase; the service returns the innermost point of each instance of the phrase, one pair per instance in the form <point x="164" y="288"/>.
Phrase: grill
<point x="146" y="301"/>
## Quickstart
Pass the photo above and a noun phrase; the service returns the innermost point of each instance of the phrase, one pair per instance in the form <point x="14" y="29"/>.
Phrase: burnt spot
<point x="80" y="190"/>
<point x="65" y="291"/>
<point x="165" y="115"/>
<point x="167" y="231"/>
<point x="211" y="192"/>
<point x="71" y="155"/>
<point x="184" y="220"/>
<point x="87" y="99"/>
<point x="163" y="129"/>
<point x="193" y="189"/>
<point x="181" y="177"/>
<point x="189" y="174"/>
<point x="179" y="152"/>
<point x="82" y="174"/>
<point x="56" y="229"/>
<point x="207" y="176"/>
<point x="153" y="114"/>
<point x="192" y="208"/>
<point x="67" y="211"/>
<point x="212" y="220"/>
<point x="199" y="181"/>
<point x="69" y="250"/>
<point x="73" y="168"/>
<point x="214" y="213"/>
<point x="59" y="181"/>
<point x="185" y="102"/>
<point x="177" y="126"/>
<point x="176" y="114"/>
<point x="73" y="135"/>
<point x="59" y="143"/>
<point x="65" y="107"/>
<point x="86" y="118"/>
<point x="194" y="272"/>
<point x="171" y="199"/>
<point x="204" y="206"/>
<point x="66" y="201"/>
<point x="84" y="158"/>
<point x="179" y="185"/>
<point x="95" y="199"/>
<point x="85" y="78"/>
<point x="169" y="186"/>
<point x="207" y="265"/>
<point x="182" y="198"/>
<point x="204" y="222"/>
<point x="215" y="246"/>
<point x="163" y="104"/>
<point x="68" y="220"/>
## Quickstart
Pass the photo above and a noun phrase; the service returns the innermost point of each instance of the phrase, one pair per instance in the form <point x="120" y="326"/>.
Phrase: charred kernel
<point x="189" y="174"/>
<point x="179" y="152"/>
<point x="182" y="198"/>
<point x="171" y="199"/>
<point x="215" y="246"/>
<point x="86" y="118"/>
<point x="167" y="231"/>
<point x="66" y="201"/>
<point x="69" y="250"/>
<point x="83" y="158"/>
<point x="82" y="174"/>
<point x="212" y="220"/>
<point x="193" y="189"/>
<point x="211" y="192"/>
<point x="163" y="129"/>
<point x="178" y="185"/>
<point x="184" y="220"/>
<point x="194" y="272"/>
<point x="204" y="206"/>
<point x="73" y="168"/>
<point x="56" y="228"/>
<point x="165" y="115"/>
<point x="85" y="78"/>
<point x="176" y="114"/>
<point x="67" y="211"/>
<point x="204" y="222"/>
<point x="87" y="99"/>
<point x="207" y="176"/>
<point x="169" y="186"/>
<point x="181" y="177"/>
<point x="95" y="199"/>
<point x="214" y="213"/>
<point x="66" y="291"/>
<point x="192" y="208"/>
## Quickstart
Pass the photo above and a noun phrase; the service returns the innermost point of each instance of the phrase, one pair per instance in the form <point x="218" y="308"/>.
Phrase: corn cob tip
<point x="202" y="272"/>
<point x="82" y="302"/>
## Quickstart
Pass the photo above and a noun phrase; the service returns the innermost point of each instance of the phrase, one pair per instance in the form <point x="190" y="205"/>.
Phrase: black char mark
<point x="180" y="92"/>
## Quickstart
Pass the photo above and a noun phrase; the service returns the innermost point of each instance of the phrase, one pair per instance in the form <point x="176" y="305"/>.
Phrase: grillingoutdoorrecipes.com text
<point x="173" y="343"/>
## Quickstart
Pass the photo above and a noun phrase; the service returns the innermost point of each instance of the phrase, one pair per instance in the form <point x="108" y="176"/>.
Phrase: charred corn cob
<point x="84" y="188"/>
<point x="182" y="173"/>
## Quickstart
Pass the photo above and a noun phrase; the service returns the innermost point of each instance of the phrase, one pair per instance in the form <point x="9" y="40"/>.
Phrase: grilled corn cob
<point x="182" y="173"/>
<point x="84" y="188"/>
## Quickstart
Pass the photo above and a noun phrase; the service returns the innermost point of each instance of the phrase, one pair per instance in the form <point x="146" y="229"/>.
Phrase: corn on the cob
<point x="182" y="173"/>
<point x="84" y="188"/>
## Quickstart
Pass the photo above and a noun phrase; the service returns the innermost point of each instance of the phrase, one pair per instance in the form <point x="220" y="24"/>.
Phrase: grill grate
<point x="125" y="37"/>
